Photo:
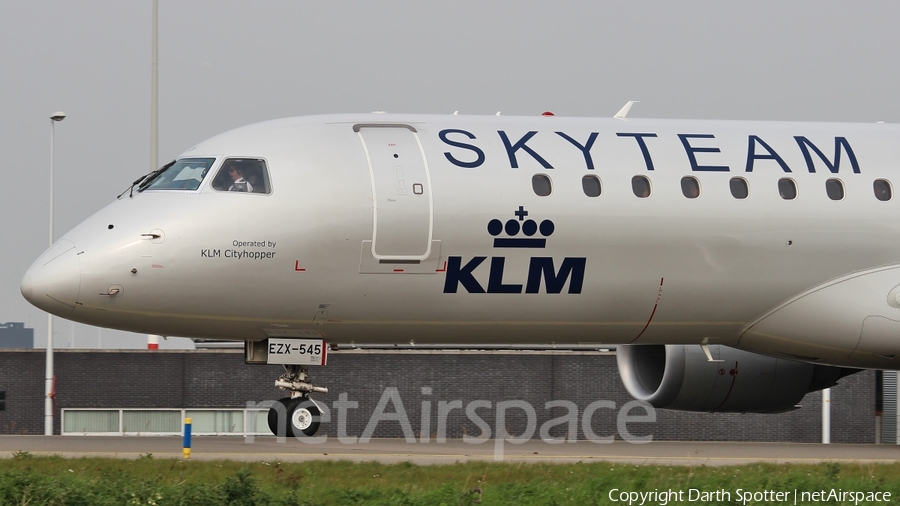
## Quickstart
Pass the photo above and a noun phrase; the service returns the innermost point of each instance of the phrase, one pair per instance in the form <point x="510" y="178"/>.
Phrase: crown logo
<point x="528" y="228"/>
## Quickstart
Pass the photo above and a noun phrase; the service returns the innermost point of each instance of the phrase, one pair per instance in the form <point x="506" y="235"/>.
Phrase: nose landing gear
<point x="297" y="415"/>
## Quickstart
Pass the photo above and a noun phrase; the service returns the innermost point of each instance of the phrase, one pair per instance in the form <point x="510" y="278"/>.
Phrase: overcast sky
<point x="223" y="64"/>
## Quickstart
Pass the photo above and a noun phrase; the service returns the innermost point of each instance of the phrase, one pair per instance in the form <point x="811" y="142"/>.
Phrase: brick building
<point x="221" y="379"/>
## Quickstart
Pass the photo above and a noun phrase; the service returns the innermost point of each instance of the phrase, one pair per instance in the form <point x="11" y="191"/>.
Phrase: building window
<point x="835" y="189"/>
<point x="787" y="188"/>
<point x="690" y="187"/>
<point x="640" y="185"/>
<point x="541" y="185"/>
<point x="882" y="189"/>
<point x="591" y="186"/>
<point x="739" y="188"/>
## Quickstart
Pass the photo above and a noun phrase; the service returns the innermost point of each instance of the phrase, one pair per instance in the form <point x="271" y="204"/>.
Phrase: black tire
<point x="301" y="417"/>
<point x="279" y="410"/>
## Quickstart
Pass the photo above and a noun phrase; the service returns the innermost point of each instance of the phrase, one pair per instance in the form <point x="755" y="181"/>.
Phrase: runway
<point x="397" y="450"/>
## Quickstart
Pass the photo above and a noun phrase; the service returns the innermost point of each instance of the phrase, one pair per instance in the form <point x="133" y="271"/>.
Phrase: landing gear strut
<point x="297" y="415"/>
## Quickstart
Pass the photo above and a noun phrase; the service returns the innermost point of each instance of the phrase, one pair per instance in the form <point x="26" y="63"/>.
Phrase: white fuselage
<point x="356" y="244"/>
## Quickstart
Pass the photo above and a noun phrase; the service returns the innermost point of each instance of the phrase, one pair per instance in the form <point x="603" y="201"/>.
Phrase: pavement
<point x="269" y="449"/>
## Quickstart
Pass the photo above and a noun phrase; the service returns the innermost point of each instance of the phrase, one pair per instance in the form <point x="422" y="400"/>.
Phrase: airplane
<point x="701" y="249"/>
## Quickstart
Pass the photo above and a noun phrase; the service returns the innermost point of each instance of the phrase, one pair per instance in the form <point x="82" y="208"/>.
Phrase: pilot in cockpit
<point x="239" y="184"/>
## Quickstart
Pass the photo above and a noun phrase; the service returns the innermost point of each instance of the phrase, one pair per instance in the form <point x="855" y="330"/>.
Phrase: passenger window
<point x="882" y="189"/>
<point x="591" y="186"/>
<point x="244" y="175"/>
<point x="739" y="188"/>
<point x="185" y="174"/>
<point x="541" y="185"/>
<point x="690" y="187"/>
<point x="835" y="189"/>
<point x="787" y="189"/>
<point x="640" y="185"/>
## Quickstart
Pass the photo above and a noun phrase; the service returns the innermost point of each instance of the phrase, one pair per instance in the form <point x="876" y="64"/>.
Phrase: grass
<point x="26" y="479"/>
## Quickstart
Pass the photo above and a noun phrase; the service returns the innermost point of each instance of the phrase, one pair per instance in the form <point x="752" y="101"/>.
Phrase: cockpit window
<point x="185" y="174"/>
<point x="245" y="175"/>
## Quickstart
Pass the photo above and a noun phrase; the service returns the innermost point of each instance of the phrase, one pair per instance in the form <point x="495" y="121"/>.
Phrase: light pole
<point x="152" y="340"/>
<point x="154" y="90"/>
<point x="48" y="380"/>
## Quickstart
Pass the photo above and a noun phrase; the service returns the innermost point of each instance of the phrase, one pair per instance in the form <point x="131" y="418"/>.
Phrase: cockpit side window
<point x="243" y="175"/>
<point x="184" y="174"/>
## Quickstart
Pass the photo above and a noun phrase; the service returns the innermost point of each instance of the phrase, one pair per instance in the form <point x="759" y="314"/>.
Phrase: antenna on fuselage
<point x="625" y="108"/>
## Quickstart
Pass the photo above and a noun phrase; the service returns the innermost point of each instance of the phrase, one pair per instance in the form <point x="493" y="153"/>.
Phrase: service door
<point x="401" y="192"/>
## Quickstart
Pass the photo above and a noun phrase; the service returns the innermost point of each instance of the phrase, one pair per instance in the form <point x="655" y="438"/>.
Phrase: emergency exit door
<point x="401" y="192"/>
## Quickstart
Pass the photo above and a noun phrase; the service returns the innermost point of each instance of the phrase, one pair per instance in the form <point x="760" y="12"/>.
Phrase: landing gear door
<point x="401" y="192"/>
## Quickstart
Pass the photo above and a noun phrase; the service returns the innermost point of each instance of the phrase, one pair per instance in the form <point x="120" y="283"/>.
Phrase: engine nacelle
<point x="681" y="377"/>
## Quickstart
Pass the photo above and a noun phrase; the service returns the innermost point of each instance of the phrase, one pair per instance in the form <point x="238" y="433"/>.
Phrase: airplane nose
<point x="53" y="283"/>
